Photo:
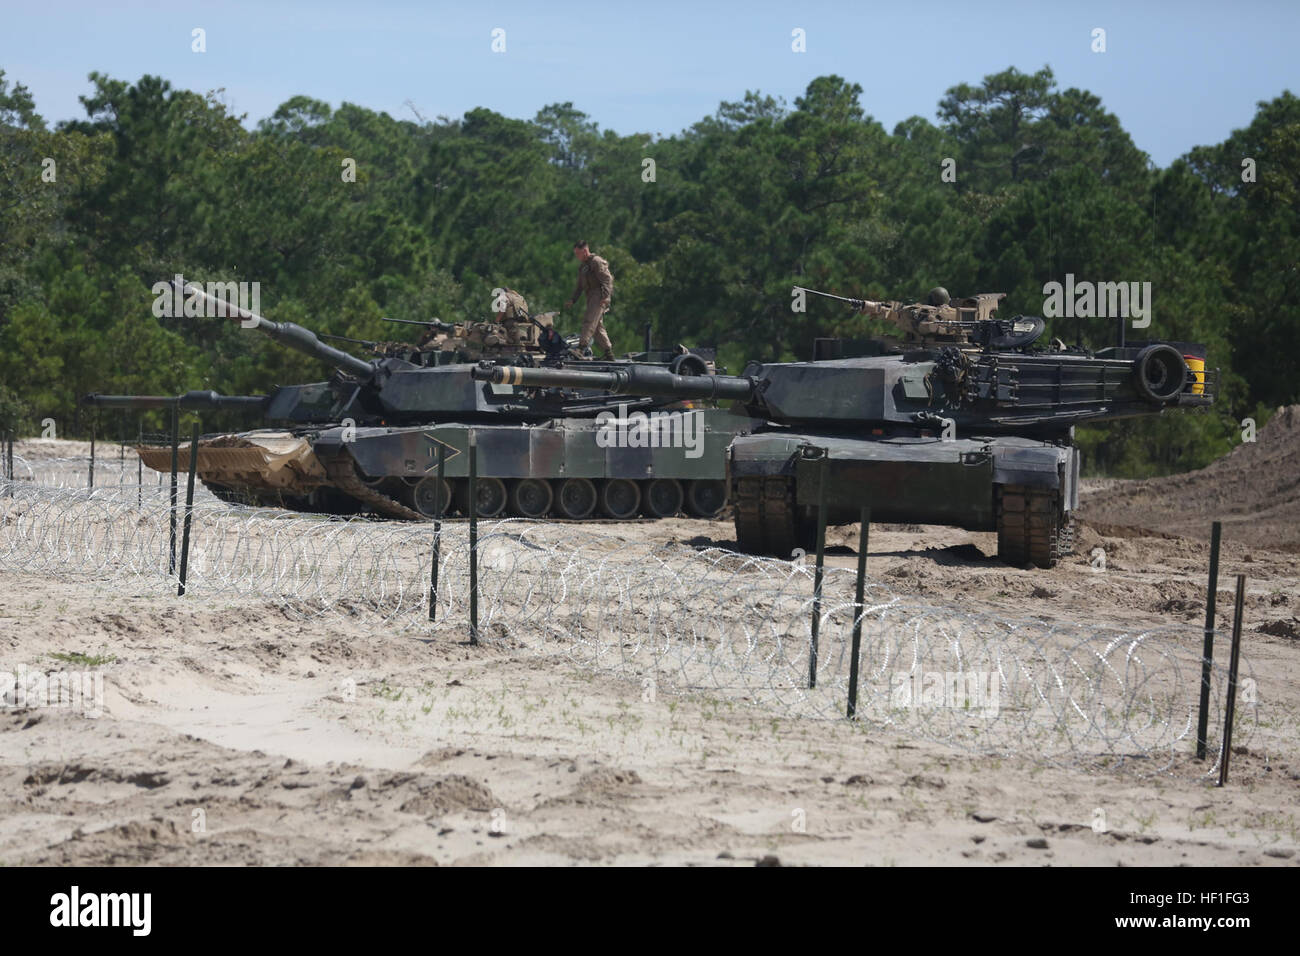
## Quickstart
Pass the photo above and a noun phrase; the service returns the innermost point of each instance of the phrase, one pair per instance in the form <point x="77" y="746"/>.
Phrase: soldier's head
<point x="581" y="251"/>
<point x="937" y="296"/>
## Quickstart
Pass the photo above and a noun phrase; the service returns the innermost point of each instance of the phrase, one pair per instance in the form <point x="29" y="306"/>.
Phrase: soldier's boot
<point x="609" y="355"/>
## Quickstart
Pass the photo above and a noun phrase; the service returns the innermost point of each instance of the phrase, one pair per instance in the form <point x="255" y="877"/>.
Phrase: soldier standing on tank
<point x="597" y="283"/>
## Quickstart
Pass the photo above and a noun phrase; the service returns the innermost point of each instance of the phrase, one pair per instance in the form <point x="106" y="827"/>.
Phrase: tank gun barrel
<point x="634" y="380"/>
<point x="189" y="400"/>
<point x="294" y="336"/>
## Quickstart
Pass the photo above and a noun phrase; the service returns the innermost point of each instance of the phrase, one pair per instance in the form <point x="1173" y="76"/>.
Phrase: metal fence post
<point x="1207" y="653"/>
<point x="437" y="536"/>
<point x="817" y="573"/>
<point x="176" y="438"/>
<point x="189" y="508"/>
<point x="94" y="416"/>
<point x="858" y="610"/>
<point x="1231" y="704"/>
<point x="473" y="537"/>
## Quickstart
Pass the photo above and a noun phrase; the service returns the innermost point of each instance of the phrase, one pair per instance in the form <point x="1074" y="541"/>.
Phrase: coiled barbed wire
<point x="685" y="619"/>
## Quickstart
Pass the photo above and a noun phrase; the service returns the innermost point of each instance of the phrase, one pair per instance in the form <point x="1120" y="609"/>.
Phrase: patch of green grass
<point x="78" y="659"/>
<point x="386" y="691"/>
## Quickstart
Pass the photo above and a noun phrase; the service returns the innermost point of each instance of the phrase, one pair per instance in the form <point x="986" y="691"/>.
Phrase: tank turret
<point x="975" y="389"/>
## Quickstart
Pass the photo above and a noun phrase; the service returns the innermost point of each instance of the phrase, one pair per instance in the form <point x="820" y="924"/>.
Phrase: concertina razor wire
<point x="689" y="619"/>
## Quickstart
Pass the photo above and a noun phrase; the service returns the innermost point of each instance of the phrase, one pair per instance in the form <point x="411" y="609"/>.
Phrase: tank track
<point x="344" y="477"/>
<point x="767" y="518"/>
<point x="1032" y="528"/>
<point x="345" y="485"/>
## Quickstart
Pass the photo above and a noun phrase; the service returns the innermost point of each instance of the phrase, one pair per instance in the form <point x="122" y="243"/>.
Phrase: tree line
<point x="346" y="215"/>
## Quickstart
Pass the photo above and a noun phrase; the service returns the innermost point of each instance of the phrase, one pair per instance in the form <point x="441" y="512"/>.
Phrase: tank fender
<point x="764" y="455"/>
<point x="1034" y="465"/>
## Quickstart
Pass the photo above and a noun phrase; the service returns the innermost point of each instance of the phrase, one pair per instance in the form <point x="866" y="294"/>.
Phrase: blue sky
<point x="1178" y="74"/>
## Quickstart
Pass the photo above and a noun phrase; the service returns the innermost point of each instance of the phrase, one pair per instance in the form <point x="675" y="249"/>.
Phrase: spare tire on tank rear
<point x="1160" y="373"/>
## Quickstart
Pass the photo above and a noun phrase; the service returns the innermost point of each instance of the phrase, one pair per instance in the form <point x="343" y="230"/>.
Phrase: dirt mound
<point x="1254" y="490"/>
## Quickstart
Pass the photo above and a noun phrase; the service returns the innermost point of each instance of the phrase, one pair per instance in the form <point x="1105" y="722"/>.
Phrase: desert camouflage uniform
<point x="516" y="310"/>
<point x="597" y="283"/>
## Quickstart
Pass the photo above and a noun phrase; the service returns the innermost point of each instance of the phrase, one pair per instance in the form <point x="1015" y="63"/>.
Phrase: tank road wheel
<point x="575" y="498"/>
<point x="705" y="498"/>
<point x="491" y="497"/>
<point x="767" y="519"/>
<point x="662" y="498"/>
<point x="427" y="498"/>
<point x="531" y="497"/>
<point x="619" y="498"/>
<point x="1032" y="528"/>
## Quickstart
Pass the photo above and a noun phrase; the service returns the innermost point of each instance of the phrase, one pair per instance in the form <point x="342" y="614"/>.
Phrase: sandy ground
<point x="234" y="734"/>
<point x="1254" y="491"/>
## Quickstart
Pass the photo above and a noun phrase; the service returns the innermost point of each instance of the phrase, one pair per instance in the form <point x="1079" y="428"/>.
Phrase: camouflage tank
<point x="964" y="423"/>
<point x="368" y="438"/>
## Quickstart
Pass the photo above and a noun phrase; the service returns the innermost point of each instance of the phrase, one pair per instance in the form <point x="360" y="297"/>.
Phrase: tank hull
<point x="978" y="483"/>
<point x="656" y="459"/>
